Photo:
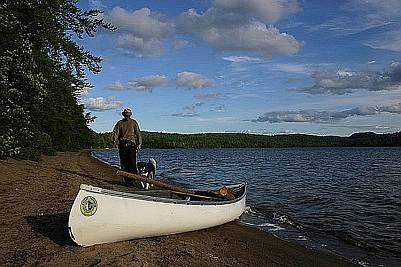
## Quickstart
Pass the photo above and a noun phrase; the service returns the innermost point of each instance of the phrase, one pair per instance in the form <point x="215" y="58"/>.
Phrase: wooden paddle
<point x="223" y="192"/>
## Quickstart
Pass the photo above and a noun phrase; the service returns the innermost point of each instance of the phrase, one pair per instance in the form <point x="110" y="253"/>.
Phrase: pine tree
<point x="42" y="72"/>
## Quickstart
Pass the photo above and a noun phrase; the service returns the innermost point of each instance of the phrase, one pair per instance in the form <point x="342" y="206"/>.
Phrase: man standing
<point x="127" y="135"/>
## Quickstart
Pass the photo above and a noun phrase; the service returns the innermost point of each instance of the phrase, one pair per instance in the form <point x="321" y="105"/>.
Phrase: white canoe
<point x="105" y="216"/>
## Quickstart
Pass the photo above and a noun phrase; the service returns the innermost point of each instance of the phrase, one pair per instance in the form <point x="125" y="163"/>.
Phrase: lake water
<point x="343" y="200"/>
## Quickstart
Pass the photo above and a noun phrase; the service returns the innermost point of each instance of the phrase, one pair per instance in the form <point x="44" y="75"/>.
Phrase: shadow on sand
<point x="52" y="226"/>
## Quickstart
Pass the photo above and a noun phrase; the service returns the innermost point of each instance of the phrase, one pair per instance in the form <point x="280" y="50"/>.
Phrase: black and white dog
<point x="147" y="169"/>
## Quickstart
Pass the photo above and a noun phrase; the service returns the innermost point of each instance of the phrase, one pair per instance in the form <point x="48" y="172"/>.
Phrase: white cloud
<point x="269" y="11"/>
<point x="237" y="59"/>
<point x="362" y="15"/>
<point x="185" y="79"/>
<point x="349" y="25"/>
<point x="364" y="127"/>
<point x="236" y="32"/>
<point x="116" y="86"/>
<point x="390" y="40"/>
<point x="234" y="26"/>
<point x="140" y="46"/>
<point x="346" y="81"/>
<point x="395" y="108"/>
<point x="142" y="22"/>
<point x="388" y="9"/>
<point x="217" y="119"/>
<point x="147" y="83"/>
<point x="228" y="25"/>
<point x="185" y="114"/>
<point x="142" y="32"/>
<point x="193" y="80"/>
<point x="189" y="111"/>
<point x="314" y="116"/>
<point x="102" y="104"/>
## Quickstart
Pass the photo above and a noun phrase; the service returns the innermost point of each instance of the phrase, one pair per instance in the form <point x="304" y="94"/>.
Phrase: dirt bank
<point x="36" y="198"/>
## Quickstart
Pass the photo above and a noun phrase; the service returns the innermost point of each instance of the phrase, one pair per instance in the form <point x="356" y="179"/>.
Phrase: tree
<point x="42" y="72"/>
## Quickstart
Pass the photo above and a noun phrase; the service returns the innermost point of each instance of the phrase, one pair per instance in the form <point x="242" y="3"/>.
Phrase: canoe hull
<point x="117" y="218"/>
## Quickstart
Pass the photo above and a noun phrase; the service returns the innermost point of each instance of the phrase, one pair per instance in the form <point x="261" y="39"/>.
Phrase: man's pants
<point x="128" y="160"/>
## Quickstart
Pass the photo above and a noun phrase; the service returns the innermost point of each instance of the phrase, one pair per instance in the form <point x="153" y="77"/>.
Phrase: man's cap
<point x="127" y="111"/>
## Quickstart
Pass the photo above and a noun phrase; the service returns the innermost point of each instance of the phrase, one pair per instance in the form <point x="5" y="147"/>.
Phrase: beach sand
<point x="35" y="201"/>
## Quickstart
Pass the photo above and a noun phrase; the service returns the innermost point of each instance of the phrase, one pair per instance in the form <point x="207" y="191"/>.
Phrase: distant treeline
<point x="240" y="140"/>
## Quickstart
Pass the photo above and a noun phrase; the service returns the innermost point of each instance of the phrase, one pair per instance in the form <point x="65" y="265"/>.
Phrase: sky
<point x="252" y="66"/>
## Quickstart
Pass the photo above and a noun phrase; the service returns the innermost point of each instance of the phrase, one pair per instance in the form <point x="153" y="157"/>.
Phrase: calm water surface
<point x="343" y="200"/>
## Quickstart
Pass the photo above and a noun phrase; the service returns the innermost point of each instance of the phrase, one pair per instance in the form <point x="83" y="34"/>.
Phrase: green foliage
<point x="238" y="140"/>
<point x="42" y="72"/>
<point x="100" y="140"/>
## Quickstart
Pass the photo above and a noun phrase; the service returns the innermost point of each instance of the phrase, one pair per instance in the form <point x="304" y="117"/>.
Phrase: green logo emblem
<point x="88" y="206"/>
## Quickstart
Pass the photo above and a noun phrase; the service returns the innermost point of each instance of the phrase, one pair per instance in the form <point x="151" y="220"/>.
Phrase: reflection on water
<point x="345" y="200"/>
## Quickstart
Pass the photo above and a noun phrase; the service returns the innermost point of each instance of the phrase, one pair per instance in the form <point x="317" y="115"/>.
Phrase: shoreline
<point x="37" y="197"/>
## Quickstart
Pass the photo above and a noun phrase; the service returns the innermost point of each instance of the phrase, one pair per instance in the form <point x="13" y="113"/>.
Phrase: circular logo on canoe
<point x="88" y="206"/>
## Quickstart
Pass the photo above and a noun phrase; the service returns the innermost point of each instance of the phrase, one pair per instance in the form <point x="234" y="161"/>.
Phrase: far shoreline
<point x="245" y="140"/>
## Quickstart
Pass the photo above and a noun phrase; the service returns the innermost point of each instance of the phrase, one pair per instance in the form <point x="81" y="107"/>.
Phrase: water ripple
<point x="346" y="200"/>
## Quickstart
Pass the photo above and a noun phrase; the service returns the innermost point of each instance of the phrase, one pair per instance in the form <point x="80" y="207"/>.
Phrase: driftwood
<point x="223" y="192"/>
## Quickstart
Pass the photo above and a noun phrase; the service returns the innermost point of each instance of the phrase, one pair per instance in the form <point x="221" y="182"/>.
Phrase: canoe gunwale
<point x="138" y="196"/>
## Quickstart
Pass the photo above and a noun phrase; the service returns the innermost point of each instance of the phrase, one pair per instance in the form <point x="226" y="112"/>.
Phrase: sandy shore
<point x="36" y="198"/>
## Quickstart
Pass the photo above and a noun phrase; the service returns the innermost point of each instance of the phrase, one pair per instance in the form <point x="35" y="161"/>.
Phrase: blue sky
<point x="258" y="66"/>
